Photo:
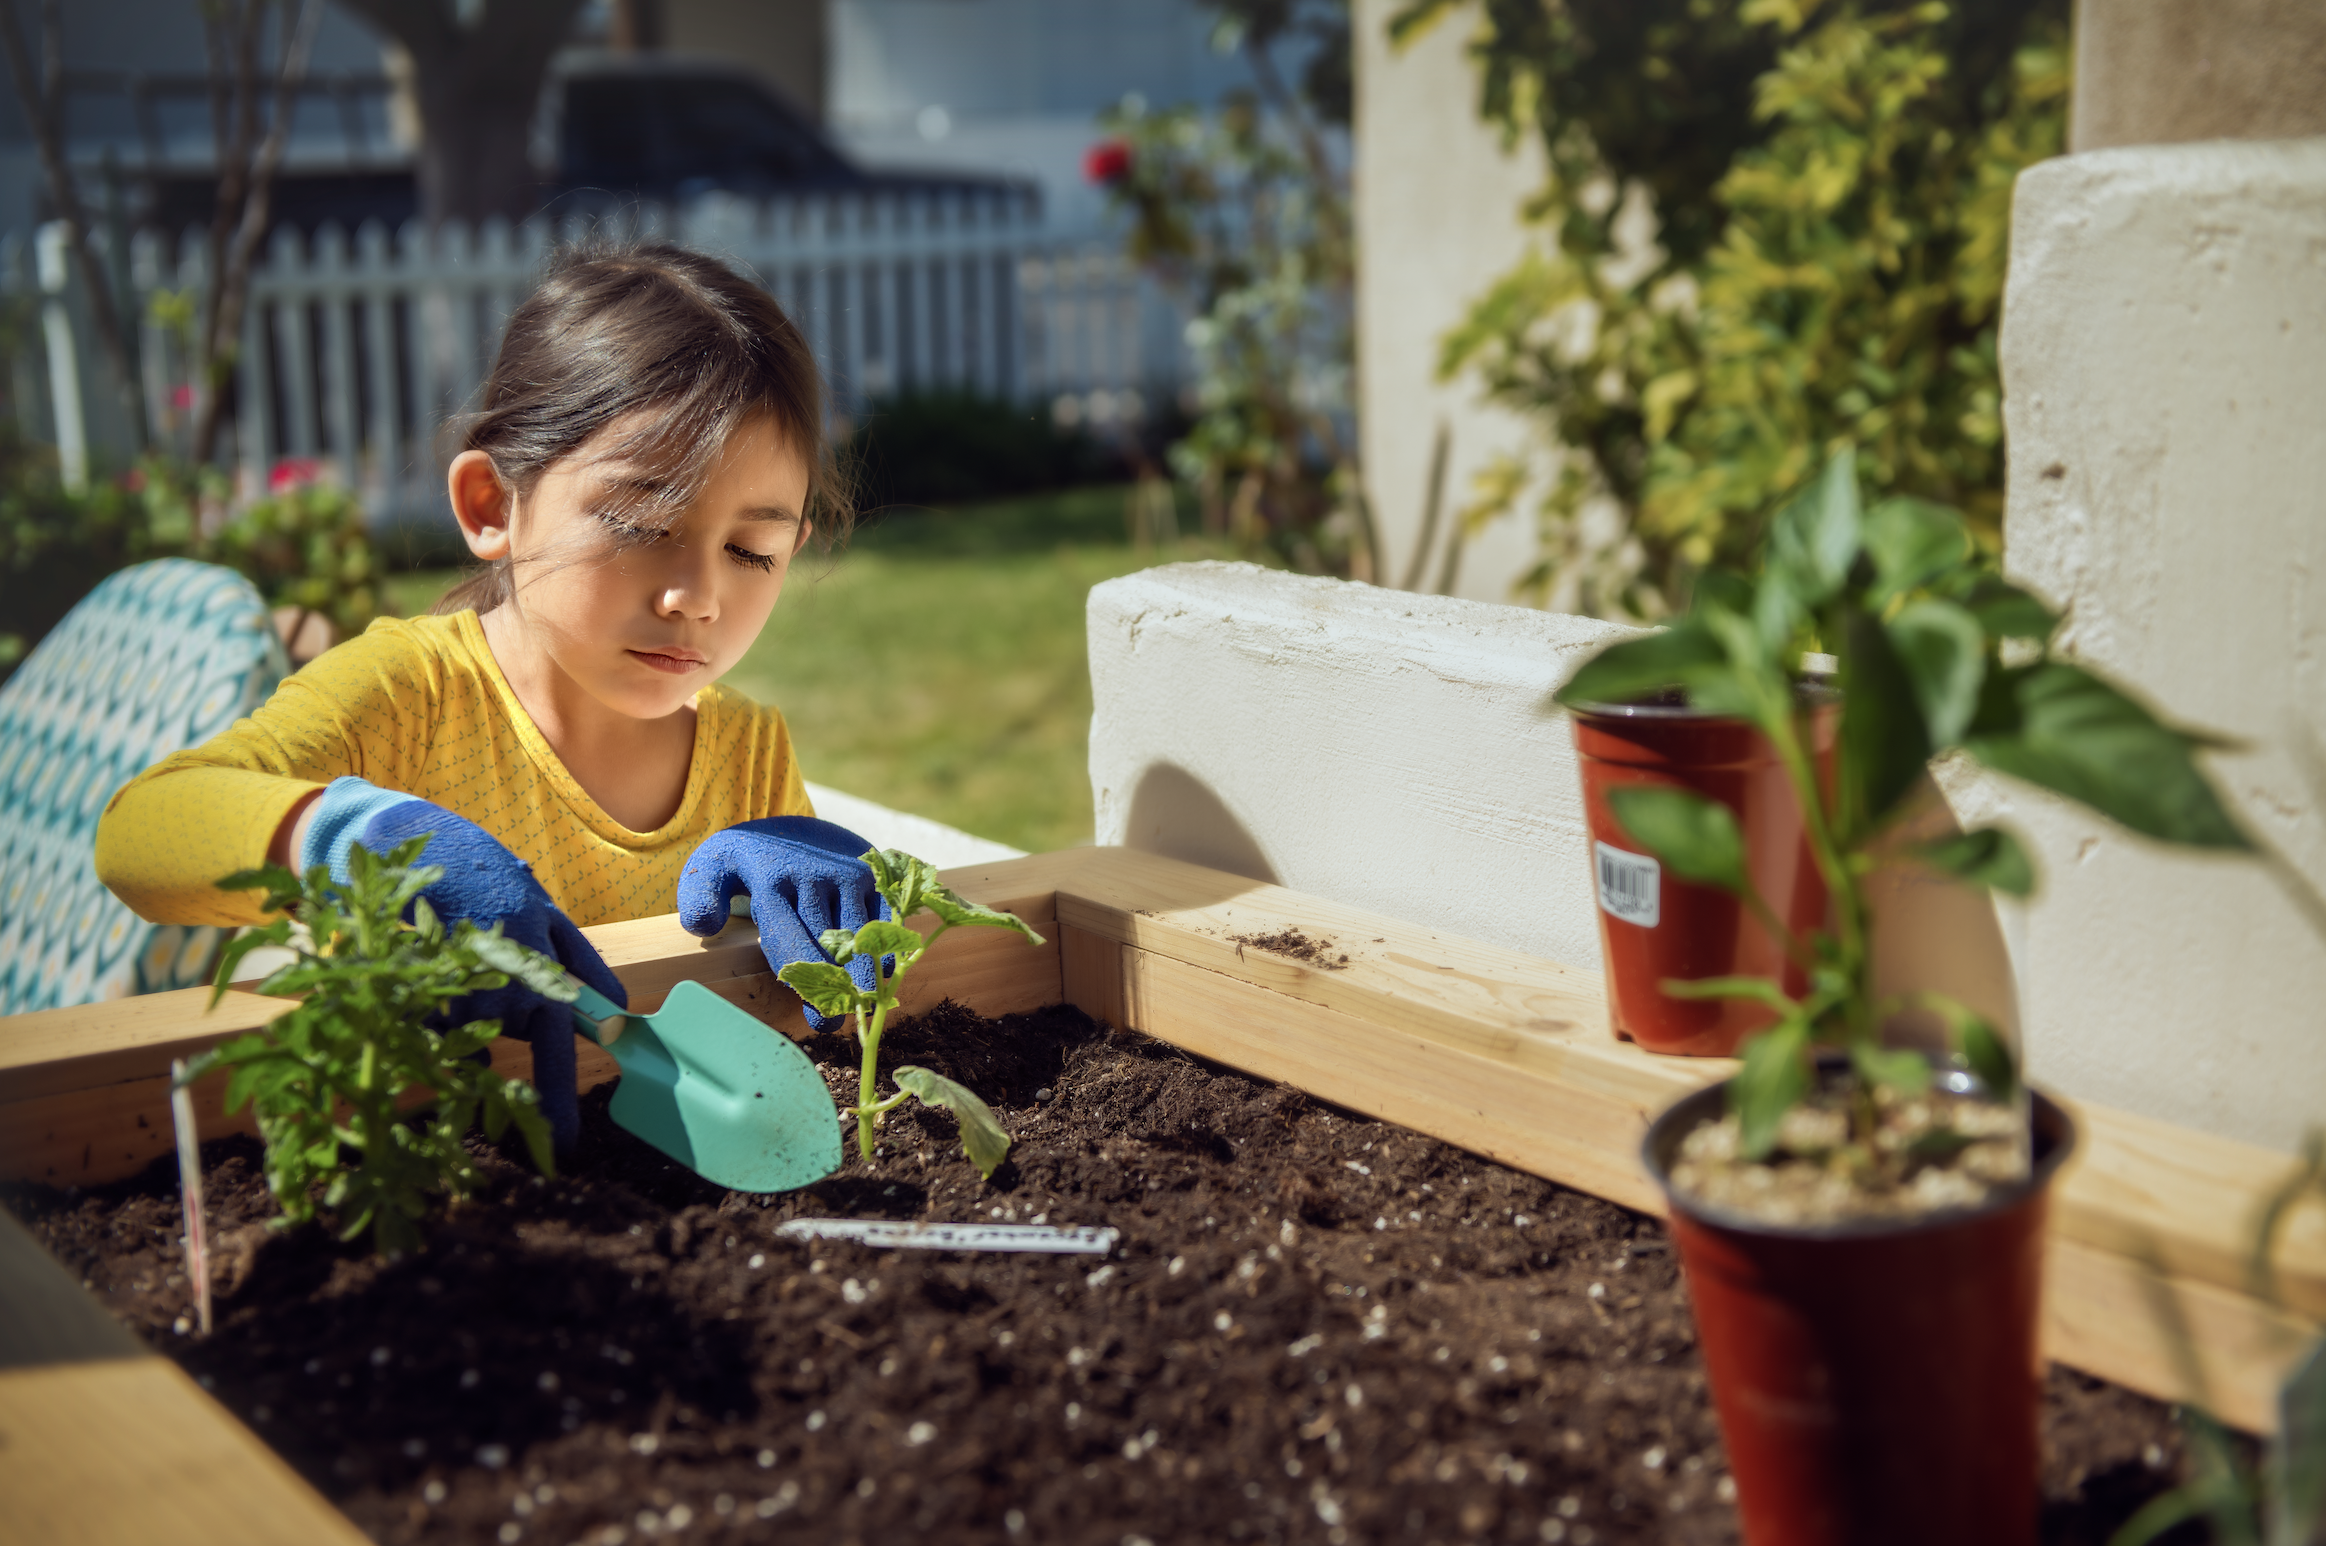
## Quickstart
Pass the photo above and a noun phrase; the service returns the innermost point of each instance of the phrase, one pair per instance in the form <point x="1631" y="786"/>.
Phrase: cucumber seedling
<point x="909" y="885"/>
<point x="329" y="1080"/>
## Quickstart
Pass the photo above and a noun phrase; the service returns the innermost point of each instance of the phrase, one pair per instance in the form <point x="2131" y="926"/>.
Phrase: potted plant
<point x="1860" y="1222"/>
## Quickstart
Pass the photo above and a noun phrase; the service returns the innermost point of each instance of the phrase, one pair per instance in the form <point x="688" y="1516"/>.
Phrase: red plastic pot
<point x="1877" y="1383"/>
<point x="1652" y="926"/>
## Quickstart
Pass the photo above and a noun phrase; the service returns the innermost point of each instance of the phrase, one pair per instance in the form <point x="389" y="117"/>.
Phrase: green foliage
<point x="910" y="886"/>
<point x="1935" y="655"/>
<point x="330" y="1081"/>
<point x="1767" y="228"/>
<point x="947" y="445"/>
<point x="304" y="545"/>
<point x="2282" y="1500"/>
<point x="1245" y="211"/>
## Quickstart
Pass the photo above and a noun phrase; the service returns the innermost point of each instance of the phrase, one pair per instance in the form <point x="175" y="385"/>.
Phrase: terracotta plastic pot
<point x="1877" y="1383"/>
<point x="1652" y="926"/>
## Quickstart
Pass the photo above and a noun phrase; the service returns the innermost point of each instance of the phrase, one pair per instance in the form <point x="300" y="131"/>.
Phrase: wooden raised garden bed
<point x="1494" y="1051"/>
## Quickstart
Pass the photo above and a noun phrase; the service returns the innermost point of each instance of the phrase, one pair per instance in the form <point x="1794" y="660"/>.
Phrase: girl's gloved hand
<point x="486" y="884"/>
<point x="803" y="876"/>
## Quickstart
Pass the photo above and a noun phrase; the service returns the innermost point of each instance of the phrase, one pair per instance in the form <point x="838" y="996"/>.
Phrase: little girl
<point x="648" y="460"/>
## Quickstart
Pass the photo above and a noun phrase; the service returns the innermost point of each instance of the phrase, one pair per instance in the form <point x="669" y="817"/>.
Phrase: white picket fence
<point x="357" y="352"/>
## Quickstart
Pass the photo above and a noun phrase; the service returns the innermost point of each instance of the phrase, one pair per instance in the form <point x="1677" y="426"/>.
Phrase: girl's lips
<point x="677" y="662"/>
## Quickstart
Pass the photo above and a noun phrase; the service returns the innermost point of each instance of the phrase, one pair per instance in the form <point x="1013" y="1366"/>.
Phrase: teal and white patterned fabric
<point x="157" y="658"/>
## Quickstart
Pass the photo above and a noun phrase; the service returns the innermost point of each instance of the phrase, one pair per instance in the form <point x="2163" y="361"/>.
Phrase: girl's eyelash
<point x="629" y="532"/>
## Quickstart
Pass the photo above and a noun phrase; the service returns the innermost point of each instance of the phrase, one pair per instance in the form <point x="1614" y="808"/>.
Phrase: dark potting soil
<point x="1317" y="1327"/>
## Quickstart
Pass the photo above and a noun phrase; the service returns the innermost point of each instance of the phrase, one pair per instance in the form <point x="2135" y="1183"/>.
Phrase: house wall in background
<point x="1437" y="222"/>
<point x="2160" y="72"/>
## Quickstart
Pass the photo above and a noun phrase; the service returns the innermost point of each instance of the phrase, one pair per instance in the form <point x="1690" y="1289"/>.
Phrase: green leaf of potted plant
<point x="1861" y="1224"/>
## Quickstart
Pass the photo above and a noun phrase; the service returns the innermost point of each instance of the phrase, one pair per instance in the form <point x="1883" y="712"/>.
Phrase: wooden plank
<point x="84" y="1091"/>
<point x="2186" y="1200"/>
<point x="130" y="1449"/>
<point x="2106" y="1312"/>
<point x="2113" y="1315"/>
<point x="51" y="1319"/>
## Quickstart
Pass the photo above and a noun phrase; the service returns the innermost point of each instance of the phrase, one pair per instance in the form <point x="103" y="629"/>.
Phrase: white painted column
<point x="2164" y="372"/>
<point x="1437" y="222"/>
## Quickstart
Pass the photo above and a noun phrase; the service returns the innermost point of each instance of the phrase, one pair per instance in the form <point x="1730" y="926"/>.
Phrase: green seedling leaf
<point x="1938" y="1145"/>
<point x="957" y="910"/>
<point x="2007" y="612"/>
<point x="1911" y="542"/>
<point x="981" y="1136"/>
<point x="1695" y="838"/>
<point x="1988" y="1056"/>
<point x="1891" y="1068"/>
<point x="1815" y="537"/>
<point x="880" y="937"/>
<point x="2061" y="728"/>
<point x="2298" y="1452"/>
<point x="1944" y="653"/>
<point x="1774" y="1078"/>
<point x="1988" y="856"/>
<point x="230" y="957"/>
<point x="530" y="967"/>
<point x="1640" y="668"/>
<point x="901" y="878"/>
<point x="828" y="989"/>
<point x="1759" y="989"/>
<point x="1884" y="743"/>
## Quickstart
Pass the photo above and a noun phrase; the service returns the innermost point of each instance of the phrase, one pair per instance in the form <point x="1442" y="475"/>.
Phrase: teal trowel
<point x="729" y="1098"/>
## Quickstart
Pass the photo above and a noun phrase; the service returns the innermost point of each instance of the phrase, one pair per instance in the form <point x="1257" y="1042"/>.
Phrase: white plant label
<point x="1631" y="886"/>
<point x="1083" y="1240"/>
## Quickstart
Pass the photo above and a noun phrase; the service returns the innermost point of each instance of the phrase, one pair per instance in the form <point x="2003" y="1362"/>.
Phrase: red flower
<point x="1107" y="163"/>
<point x="182" y="398"/>
<point x="293" y="472"/>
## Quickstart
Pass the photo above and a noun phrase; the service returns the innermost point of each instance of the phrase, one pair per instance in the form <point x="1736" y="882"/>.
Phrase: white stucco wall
<point x="1381" y="749"/>
<point x="1437" y="221"/>
<point x="2164" y="372"/>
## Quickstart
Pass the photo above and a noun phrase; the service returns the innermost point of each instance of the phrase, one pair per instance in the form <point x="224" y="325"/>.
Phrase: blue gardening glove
<point x="803" y="876"/>
<point x="486" y="884"/>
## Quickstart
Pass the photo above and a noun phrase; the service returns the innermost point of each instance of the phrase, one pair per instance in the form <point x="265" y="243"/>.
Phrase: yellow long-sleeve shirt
<point x="420" y="705"/>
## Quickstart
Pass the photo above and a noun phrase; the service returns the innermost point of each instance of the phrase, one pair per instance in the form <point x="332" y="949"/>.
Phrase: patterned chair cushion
<point x="157" y="658"/>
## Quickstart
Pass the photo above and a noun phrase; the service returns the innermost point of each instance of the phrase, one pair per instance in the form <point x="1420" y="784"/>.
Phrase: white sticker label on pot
<point x="1630" y="886"/>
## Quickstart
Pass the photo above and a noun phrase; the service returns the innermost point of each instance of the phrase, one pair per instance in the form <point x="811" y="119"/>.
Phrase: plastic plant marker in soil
<point x="1080" y="1241"/>
<point x="1279" y="1348"/>
<point x="729" y="1098"/>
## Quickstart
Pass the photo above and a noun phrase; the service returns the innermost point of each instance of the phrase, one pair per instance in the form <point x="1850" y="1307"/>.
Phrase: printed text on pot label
<point x="1630" y="885"/>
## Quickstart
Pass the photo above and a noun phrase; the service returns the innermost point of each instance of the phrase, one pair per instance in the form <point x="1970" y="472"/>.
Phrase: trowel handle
<point x="591" y="1012"/>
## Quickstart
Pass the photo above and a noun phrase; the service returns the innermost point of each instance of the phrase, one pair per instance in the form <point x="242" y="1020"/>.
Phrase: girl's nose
<point x="688" y="592"/>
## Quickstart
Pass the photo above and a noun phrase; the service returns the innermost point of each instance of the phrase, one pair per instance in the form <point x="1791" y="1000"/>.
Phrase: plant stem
<point x="1840" y="884"/>
<point x="867" y="1110"/>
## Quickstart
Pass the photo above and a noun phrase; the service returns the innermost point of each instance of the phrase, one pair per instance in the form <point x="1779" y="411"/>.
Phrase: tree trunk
<point x="475" y="86"/>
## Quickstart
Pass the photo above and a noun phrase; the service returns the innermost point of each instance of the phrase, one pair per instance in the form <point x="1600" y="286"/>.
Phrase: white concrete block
<point x="2164" y="371"/>
<point x="1385" y="750"/>
<point x="934" y="841"/>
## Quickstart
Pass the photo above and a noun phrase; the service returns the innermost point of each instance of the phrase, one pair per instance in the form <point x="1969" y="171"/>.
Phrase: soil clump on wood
<point x="1316" y="1328"/>
<point x="1294" y="945"/>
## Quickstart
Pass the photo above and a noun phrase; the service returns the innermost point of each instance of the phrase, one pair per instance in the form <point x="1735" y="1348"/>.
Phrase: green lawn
<point x="938" y="664"/>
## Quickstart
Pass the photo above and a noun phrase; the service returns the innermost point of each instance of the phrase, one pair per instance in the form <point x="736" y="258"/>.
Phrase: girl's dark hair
<point x="675" y="347"/>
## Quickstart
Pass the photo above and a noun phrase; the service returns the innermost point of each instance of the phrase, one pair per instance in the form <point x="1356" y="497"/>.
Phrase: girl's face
<point x="639" y="619"/>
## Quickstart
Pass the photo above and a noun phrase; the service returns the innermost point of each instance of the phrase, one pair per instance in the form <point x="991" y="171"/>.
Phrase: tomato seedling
<point x="909" y="885"/>
<point x="328" y="1080"/>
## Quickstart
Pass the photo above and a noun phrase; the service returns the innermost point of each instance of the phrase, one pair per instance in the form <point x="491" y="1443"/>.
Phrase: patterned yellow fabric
<point x="420" y="705"/>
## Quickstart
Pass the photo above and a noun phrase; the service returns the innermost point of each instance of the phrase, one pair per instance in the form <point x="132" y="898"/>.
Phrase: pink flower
<point x="182" y="398"/>
<point x="1107" y="163"/>
<point x="293" y="472"/>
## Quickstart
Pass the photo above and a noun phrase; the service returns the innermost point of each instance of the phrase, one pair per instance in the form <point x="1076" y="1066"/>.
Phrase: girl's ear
<point x="800" y="543"/>
<point x="481" y="503"/>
